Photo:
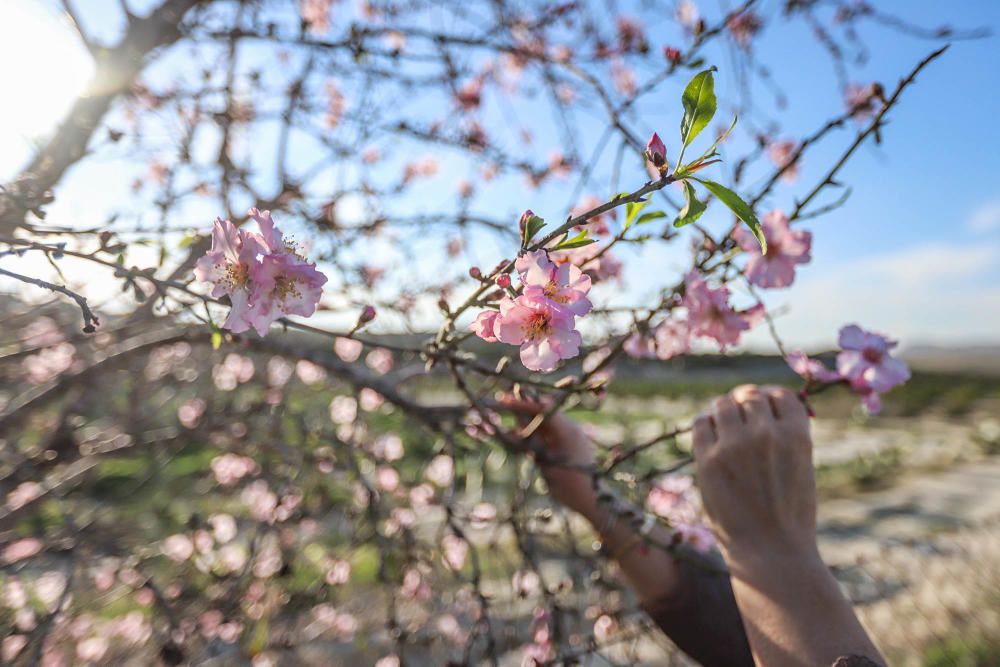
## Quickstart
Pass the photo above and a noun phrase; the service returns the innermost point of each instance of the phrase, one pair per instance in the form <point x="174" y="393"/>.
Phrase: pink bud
<point x="503" y="280"/>
<point x="672" y="55"/>
<point x="656" y="153"/>
<point x="475" y="272"/>
<point x="367" y="315"/>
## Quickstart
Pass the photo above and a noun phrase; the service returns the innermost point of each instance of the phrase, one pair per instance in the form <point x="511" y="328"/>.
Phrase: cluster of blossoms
<point x="708" y="315"/>
<point x="542" y="318"/>
<point x="708" y="312"/>
<point x="864" y="363"/>
<point x="264" y="275"/>
<point x="674" y="499"/>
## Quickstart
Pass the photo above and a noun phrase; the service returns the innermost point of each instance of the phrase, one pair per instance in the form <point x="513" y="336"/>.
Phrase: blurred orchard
<point x="252" y="416"/>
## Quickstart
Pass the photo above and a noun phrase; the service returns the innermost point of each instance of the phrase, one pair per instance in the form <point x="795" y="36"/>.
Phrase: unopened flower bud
<point x="672" y="55"/>
<point x="656" y="154"/>
<point x="475" y="272"/>
<point x="367" y="315"/>
<point x="503" y="280"/>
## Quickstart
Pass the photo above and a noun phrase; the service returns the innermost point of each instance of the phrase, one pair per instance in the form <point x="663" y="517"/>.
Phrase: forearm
<point x="687" y="594"/>
<point x="794" y="612"/>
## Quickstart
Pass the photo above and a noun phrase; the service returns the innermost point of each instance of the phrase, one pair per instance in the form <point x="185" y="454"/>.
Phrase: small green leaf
<point x="577" y="241"/>
<point x="188" y="240"/>
<point x="216" y="338"/>
<point x="632" y="209"/>
<point x="699" y="105"/>
<point x="711" y="151"/>
<point x="739" y="207"/>
<point x="532" y="227"/>
<point x="649" y="217"/>
<point x="693" y="208"/>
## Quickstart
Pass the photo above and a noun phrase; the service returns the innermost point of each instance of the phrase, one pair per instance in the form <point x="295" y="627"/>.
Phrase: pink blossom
<point x="23" y="494"/>
<point x="544" y="333"/>
<point x="542" y="319"/>
<point x="347" y="349"/>
<point x="638" y="346"/>
<point x="563" y="286"/>
<point x="335" y="104"/>
<point x="224" y="527"/>
<point x="673" y="338"/>
<point x="387" y="478"/>
<point x="441" y="470"/>
<point x="231" y="468"/>
<point x="469" y="95"/>
<point x="230" y="266"/>
<point x="599" y="223"/>
<point x="688" y="15"/>
<point x="21" y="549"/>
<point x="860" y="100"/>
<point x="316" y="15"/>
<point x="484" y="325"/>
<point x="785" y="248"/>
<point x="454" y="550"/>
<point x="866" y="363"/>
<point x="711" y="316"/>
<point x="631" y="36"/>
<point x="92" y="649"/>
<point x="338" y="573"/>
<point x="604" y="628"/>
<point x="380" y="360"/>
<point x="178" y="547"/>
<point x="263" y="274"/>
<point x="12" y="646"/>
<point x="482" y="515"/>
<point x="697" y="536"/>
<point x="623" y="79"/>
<point x="286" y="283"/>
<point x="784" y="156"/>
<point x="810" y="369"/>
<point x="743" y="27"/>
<point x="673" y="499"/>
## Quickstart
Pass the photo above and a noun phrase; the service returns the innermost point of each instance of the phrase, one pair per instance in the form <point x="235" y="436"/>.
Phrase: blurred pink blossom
<point x="785" y="248"/>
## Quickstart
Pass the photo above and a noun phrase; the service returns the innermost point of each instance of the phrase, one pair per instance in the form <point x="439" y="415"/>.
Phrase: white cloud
<point x="986" y="218"/>
<point x="934" y="293"/>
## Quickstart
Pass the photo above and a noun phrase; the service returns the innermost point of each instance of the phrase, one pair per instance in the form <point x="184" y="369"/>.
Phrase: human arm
<point x="686" y="593"/>
<point x="755" y="472"/>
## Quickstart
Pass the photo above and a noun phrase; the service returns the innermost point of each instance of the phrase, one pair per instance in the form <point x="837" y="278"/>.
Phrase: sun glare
<point x="43" y="68"/>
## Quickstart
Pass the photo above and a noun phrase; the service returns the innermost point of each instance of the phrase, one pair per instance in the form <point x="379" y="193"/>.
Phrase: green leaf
<point x="532" y="227"/>
<point x="711" y="151"/>
<point x="699" y="105"/>
<point x="649" y="217"/>
<point x="216" y="338"/>
<point x="577" y="241"/>
<point x="693" y="208"/>
<point x="632" y="209"/>
<point x="739" y="207"/>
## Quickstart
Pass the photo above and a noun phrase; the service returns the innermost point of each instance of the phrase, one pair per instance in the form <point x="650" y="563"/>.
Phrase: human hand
<point x="568" y="455"/>
<point x="755" y="472"/>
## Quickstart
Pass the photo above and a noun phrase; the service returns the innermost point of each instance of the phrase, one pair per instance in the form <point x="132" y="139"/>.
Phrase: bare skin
<point x="754" y="456"/>
<point x="686" y="593"/>
<point x="652" y="574"/>
<point x="755" y="472"/>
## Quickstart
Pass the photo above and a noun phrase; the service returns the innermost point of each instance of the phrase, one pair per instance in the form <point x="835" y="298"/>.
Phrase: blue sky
<point x="915" y="251"/>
